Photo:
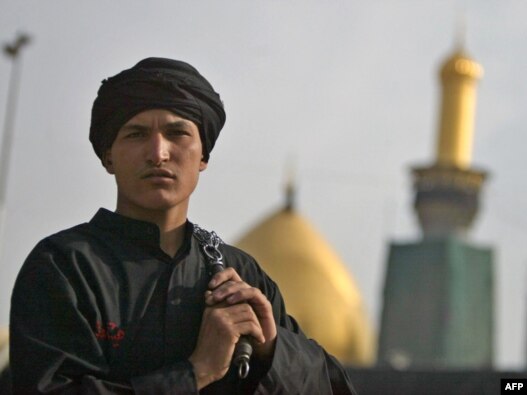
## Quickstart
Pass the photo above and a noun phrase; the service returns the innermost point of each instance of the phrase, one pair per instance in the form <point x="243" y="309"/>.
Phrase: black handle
<point x="243" y="349"/>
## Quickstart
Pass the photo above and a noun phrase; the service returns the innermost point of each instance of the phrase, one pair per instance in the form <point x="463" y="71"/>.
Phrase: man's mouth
<point x="158" y="173"/>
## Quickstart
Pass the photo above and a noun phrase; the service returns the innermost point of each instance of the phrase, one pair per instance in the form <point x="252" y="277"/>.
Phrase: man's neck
<point x="170" y="240"/>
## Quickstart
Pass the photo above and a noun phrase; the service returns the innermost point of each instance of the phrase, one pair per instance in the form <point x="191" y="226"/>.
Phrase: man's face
<point x="156" y="159"/>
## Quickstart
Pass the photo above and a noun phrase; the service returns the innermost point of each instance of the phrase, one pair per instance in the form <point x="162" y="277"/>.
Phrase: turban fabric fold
<point x="156" y="83"/>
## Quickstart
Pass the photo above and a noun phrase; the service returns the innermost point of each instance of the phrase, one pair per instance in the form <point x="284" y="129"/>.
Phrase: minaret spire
<point x="290" y="186"/>
<point x="461" y="32"/>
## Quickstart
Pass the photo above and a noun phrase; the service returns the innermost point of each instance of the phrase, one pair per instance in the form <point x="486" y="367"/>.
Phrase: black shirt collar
<point x="135" y="230"/>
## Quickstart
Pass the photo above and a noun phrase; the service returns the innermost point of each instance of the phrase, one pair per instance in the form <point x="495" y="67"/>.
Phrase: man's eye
<point x="133" y="135"/>
<point x="177" y="132"/>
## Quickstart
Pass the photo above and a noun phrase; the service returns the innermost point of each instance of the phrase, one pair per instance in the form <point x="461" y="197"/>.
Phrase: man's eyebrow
<point x="177" y="124"/>
<point x="169" y="125"/>
<point x="136" y="127"/>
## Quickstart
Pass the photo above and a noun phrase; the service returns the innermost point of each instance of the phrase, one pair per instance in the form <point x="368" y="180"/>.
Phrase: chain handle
<point x="210" y="243"/>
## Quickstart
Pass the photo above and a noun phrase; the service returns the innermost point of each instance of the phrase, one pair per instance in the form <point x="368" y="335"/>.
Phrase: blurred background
<point x="345" y="92"/>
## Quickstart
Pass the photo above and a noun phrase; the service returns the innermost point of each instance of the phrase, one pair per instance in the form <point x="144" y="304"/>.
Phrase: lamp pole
<point x="12" y="50"/>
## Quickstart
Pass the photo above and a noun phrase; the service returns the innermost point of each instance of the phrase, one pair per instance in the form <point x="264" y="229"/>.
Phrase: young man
<point x="125" y="303"/>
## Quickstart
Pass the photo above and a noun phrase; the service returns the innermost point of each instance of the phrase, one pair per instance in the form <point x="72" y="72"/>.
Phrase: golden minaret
<point x="459" y="76"/>
<point x="447" y="193"/>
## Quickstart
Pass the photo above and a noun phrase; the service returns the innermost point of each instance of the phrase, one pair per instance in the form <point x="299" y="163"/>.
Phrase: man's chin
<point x="163" y="205"/>
<point x="154" y="204"/>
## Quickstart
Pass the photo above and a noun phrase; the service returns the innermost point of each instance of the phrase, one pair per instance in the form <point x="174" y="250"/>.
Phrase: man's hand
<point x="234" y="308"/>
<point x="221" y="327"/>
<point x="227" y="287"/>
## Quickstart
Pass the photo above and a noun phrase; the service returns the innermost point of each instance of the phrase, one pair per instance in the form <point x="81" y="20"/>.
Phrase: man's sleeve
<point x="300" y="365"/>
<point x="53" y="348"/>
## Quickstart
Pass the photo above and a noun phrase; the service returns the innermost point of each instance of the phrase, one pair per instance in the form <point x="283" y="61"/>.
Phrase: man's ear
<point x="107" y="162"/>
<point x="202" y="165"/>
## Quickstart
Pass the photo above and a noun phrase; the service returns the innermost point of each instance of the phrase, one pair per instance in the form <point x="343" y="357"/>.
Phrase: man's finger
<point x="224" y="291"/>
<point x="223" y="276"/>
<point x="250" y="295"/>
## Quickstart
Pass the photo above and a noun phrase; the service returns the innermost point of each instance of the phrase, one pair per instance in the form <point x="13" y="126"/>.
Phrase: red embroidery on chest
<point x="110" y="332"/>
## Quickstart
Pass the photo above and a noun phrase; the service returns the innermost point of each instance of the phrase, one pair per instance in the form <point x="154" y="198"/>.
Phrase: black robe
<point x="101" y="309"/>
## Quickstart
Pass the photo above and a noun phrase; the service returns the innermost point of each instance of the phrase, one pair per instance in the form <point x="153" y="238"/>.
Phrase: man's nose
<point x="158" y="149"/>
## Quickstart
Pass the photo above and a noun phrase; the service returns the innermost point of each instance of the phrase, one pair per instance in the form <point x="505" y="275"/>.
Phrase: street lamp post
<point x="12" y="51"/>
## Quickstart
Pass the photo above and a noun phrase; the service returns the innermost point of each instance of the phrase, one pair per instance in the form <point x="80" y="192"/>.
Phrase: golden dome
<point x="4" y="336"/>
<point x="4" y="348"/>
<point x="316" y="287"/>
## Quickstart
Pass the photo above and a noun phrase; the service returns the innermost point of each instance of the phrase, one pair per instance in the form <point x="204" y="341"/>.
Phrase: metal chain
<point x="210" y="243"/>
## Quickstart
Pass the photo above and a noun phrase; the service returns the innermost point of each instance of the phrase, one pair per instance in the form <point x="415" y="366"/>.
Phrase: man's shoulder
<point x="68" y="236"/>
<point x="50" y="252"/>
<point x="246" y="265"/>
<point x="236" y="253"/>
<point x="90" y="231"/>
<point x="66" y="240"/>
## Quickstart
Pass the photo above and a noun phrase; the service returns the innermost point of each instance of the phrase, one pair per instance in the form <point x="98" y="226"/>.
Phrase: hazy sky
<point x="349" y="89"/>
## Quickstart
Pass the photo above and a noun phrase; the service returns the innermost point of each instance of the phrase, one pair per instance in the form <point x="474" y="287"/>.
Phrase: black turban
<point x="156" y="83"/>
